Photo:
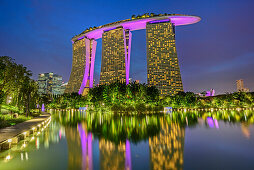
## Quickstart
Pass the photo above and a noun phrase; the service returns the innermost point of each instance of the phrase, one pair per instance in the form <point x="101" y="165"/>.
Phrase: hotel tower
<point x="115" y="56"/>
<point x="162" y="63"/>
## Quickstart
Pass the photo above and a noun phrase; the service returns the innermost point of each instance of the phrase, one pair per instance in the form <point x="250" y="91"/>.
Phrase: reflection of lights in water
<point x="26" y="156"/>
<point x="8" y="157"/>
<point x="21" y="156"/>
<point x="128" y="155"/>
<point x="37" y="143"/>
<point x="210" y="122"/>
<point x="23" y="146"/>
<point x="60" y="134"/>
<point x="46" y="144"/>
<point x="216" y="123"/>
<point x="245" y="131"/>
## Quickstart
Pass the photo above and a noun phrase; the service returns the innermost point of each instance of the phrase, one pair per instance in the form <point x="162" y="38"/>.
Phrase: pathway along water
<point x="10" y="136"/>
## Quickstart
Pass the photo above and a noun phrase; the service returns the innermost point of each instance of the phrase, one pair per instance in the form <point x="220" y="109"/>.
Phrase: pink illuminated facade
<point x="89" y="66"/>
<point x="116" y="50"/>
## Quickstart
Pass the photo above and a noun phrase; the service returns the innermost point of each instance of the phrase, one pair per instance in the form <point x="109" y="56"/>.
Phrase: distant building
<point x="63" y="87"/>
<point x="50" y="83"/>
<point x="207" y="93"/>
<point x="130" y="80"/>
<point x="240" y="86"/>
<point x="210" y="92"/>
<point x="133" y="81"/>
<point x="136" y="81"/>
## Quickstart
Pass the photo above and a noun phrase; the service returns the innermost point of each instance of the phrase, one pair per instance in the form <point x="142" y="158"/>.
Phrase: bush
<point x="140" y="107"/>
<point x="3" y="122"/>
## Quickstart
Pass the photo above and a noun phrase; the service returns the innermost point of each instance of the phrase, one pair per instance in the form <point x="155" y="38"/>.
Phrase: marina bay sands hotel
<point x="162" y="63"/>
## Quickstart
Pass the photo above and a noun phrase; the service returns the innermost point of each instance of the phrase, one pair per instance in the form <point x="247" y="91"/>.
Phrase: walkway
<point x="12" y="131"/>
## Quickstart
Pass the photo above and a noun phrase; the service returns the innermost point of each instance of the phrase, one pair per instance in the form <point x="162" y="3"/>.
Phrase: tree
<point x="15" y="81"/>
<point x="28" y="94"/>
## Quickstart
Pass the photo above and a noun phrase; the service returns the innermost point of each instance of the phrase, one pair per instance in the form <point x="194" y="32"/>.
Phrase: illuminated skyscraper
<point x="82" y="66"/>
<point x="162" y="63"/>
<point x="116" y="45"/>
<point x="78" y="65"/>
<point x="50" y="83"/>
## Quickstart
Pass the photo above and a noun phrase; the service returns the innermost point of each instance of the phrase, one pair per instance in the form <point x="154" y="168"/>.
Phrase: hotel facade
<point x="162" y="62"/>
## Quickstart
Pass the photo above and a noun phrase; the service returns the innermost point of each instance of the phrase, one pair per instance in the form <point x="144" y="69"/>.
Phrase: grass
<point x="7" y="120"/>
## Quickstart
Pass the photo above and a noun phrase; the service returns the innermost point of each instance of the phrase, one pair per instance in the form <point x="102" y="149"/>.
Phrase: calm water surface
<point x="79" y="140"/>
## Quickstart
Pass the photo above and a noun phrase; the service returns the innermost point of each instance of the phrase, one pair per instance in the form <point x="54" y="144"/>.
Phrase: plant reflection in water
<point x="112" y="138"/>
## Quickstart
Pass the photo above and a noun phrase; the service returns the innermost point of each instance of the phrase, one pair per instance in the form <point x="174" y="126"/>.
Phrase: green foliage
<point x="7" y="120"/>
<point x="124" y="98"/>
<point x="190" y="100"/>
<point x="117" y="97"/>
<point x="16" y="87"/>
<point x="66" y="101"/>
<point x="10" y="108"/>
<point x="140" y="98"/>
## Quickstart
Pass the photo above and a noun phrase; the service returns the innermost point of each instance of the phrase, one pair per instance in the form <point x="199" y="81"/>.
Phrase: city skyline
<point x="212" y="54"/>
<point x="50" y="83"/>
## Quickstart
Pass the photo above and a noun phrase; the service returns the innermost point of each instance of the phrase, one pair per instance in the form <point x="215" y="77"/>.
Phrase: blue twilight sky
<point x="213" y="53"/>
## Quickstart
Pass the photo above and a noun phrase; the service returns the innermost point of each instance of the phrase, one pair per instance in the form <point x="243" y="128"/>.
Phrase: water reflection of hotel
<point x="111" y="156"/>
<point x="166" y="149"/>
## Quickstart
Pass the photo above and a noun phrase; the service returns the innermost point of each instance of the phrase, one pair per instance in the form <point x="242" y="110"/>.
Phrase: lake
<point x="187" y="140"/>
